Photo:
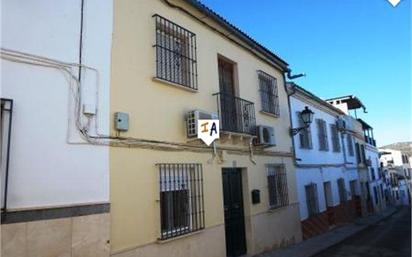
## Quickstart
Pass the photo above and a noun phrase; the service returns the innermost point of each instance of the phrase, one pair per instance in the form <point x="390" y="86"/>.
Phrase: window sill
<point x="159" y="241"/>
<point x="269" y="114"/>
<point x="156" y="79"/>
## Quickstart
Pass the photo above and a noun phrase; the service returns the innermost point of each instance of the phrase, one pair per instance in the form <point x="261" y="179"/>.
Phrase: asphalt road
<point x="389" y="238"/>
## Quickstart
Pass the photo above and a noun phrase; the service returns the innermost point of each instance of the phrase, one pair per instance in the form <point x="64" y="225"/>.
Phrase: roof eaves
<point x="316" y="98"/>
<point x="246" y="38"/>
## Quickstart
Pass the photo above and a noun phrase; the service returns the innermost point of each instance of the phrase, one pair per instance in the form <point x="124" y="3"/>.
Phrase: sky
<point x="345" y="47"/>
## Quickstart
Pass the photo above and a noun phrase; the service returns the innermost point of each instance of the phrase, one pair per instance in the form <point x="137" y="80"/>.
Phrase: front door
<point x="234" y="216"/>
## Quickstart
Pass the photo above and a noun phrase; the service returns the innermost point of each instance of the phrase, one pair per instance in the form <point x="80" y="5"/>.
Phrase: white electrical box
<point x="121" y="121"/>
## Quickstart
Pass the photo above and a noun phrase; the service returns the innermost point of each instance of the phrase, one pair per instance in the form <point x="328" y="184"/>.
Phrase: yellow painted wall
<point x="157" y="111"/>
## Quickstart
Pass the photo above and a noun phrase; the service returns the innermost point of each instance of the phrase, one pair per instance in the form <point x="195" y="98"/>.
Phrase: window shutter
<point x="302" y="140"/>
<point x="309" y="137"/>
<point x="305" y="135"/>
<point x="335" y="138"/>
<point x="325" y="131"/>
<point x="320" y="133"/>
<point x="323" y="136"/>
<point x="350" y="144"/>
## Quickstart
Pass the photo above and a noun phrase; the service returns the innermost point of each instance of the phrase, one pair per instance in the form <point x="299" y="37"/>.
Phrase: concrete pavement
<point x="315" y="245"/>
<point x="388" y="238"/>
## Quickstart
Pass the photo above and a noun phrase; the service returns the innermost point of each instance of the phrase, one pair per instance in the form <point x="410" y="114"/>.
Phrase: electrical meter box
<point x="121" y="121"/>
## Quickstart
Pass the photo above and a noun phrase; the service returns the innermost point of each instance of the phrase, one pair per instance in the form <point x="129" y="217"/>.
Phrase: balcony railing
<point x="370" y="140"/>
<point x="236" y="114"/>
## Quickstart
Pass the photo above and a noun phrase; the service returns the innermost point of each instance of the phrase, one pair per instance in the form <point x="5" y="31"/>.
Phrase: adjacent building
<point x="396" y="168"/>
<point x="326" y="167"/>
<point x="367" y="155"/>
<point x="55" y="77"/>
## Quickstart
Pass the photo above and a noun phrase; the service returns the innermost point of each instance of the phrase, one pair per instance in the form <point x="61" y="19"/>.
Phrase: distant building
<point x="396" y="166"/>
<point x="326" y="165"/>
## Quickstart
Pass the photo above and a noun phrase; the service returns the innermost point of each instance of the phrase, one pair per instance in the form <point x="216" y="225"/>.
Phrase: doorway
<point x="234" y="212"/>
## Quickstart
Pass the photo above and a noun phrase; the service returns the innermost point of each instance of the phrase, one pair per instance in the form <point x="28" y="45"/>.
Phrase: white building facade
<point x="326" y="166"/>
<point x="367" y="155"/>
<point x="55" y="76"/>
<point x="397" y="170"/>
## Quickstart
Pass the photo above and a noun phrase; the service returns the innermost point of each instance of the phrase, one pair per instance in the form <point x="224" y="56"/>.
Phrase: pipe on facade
<point x="295" y="159"/>
<point x="81" y="39"/>
<point x="10" y="111"/>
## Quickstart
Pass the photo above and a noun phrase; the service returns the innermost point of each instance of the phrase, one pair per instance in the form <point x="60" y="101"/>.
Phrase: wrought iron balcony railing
<point x="236" y="114"/>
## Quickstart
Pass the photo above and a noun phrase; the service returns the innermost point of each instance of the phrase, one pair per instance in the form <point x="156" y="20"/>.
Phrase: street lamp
<point x="306" y="116"/>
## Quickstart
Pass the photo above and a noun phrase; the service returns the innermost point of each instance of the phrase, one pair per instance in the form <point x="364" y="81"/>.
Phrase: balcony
<point x="236" y="114"/>
<point x="370" y="140"/>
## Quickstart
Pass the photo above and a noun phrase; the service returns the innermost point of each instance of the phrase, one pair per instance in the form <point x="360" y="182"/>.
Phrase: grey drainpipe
<point x="290" y="118"/>
<point x="343" y="148"/>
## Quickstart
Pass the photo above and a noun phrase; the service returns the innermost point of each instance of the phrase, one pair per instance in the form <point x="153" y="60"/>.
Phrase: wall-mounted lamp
<point x="306" y="116"/>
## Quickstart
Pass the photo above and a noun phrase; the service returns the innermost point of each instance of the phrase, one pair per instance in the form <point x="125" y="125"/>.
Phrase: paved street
<point x="388" y="238"/>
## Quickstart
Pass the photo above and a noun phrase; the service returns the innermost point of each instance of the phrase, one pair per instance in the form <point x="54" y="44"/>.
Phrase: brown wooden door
<point x="226" y="84"/>
<point x="228" y="102"/>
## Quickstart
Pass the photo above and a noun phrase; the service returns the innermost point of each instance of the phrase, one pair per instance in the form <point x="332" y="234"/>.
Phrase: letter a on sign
<point x="208" y="130"/>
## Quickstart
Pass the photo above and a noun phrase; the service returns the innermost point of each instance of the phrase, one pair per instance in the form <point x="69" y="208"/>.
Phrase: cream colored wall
<point x="157" y="112"/>
<point x="135" y="191"/>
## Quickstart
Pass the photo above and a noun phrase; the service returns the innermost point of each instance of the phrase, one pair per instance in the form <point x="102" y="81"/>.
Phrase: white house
<point x="367" y="156"/>
<point x="326" y="166"/>
<point x="55" y="60"/>
<point x="397" y="170"/>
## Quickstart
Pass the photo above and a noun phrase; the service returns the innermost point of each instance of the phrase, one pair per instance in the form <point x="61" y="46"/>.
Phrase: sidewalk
<point x="319" y="243"/>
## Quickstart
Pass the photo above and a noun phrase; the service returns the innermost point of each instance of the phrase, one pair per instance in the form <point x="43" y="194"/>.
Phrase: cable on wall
<point x="68" y="69"/>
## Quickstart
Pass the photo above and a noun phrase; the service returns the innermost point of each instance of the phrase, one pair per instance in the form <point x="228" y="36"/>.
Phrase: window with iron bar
<point x="175" y="53"/>
<point x="363" y="153"/>
<point x="268" y="93"/>
<point x="353" y="187"/>
<point x="350" y="144"/>
<point x="277" y="186"/>
<point x="342" y="190"/>
<point x="181" y="199"/>
<point x="305" y="135"/>
<point x="335" y="138"/>
<point x="373" y="177"/>
<point x="322" y="135"/>
<point x="312" y="201"/>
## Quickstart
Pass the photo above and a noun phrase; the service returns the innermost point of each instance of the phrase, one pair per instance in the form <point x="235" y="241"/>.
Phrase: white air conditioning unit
<point x="265" y="135"/>
<point x="191" y="121"/>
<point x="341" y="124"/>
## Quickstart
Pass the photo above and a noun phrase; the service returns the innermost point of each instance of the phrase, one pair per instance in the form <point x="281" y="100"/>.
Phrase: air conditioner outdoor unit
<point x="191" y="121"/>
<point x="341" y="124"/>
<point x="265" y="136"/>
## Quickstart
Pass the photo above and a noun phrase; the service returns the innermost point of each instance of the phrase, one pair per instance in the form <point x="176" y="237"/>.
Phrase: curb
<point x="362" y="228"/>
